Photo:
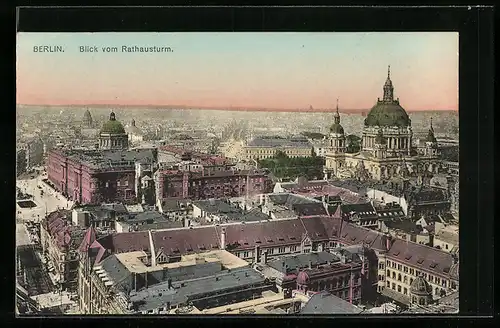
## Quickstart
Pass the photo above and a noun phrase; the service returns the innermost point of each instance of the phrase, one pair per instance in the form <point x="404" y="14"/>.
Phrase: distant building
<point x="135" y="135"/>
<point x="267" y="147"/>
<point x="197" y="183"/>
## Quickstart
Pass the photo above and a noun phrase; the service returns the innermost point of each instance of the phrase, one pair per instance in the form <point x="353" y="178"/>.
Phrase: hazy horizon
<point x="274" y="71"/>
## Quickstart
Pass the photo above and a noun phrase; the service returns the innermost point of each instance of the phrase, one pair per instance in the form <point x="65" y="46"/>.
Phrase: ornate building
<point x="387" y="150"/>
<point x="113" y="135"/>
<point x="87" y="121"/>
<point x="135" y="135"/>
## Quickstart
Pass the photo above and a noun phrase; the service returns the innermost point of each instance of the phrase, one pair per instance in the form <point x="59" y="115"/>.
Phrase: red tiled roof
<point x="264" y="234"/>
<point x="126" y="241"/>
<point x="185" y="241"/>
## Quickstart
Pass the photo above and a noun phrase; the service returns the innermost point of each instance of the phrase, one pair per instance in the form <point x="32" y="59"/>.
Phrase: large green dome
<point x="112" y="126"/>
<point x="387" y="114"/>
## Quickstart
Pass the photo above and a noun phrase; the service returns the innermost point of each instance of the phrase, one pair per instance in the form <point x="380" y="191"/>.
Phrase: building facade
<point x="204" y="184"/>
<point x="267" y="147"/>
<point x="93" y="177"/>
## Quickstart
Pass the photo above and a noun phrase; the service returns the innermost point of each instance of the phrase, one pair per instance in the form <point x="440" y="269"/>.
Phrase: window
<point x="405" y="291"/>
<point x="270" y="251"/>
<point x="388" y="284"/>
<point x="399" y="276"/>
<point x="411" y="281"/>
<point x="443" y="283"/>
<point x="393" y="275"/>
<point x="412" y="271"/>
<point x="394" y="265"/>
<point x="281" y="250"/>
<point x="405" y="279"/>
<point x="388" y="273"/>
<point x="438" y="281"/>
<point x="399" y="288"/>
<point x="393" y="286"/>
<point x="405" y="269"/>
<point x="293" y="248"/>
<point x="125" y="183"/>
<point x="381" y="265"/>
<point x="118" y="183"/>
<point x="245" y="255"/>
<point x="399" y="267"/>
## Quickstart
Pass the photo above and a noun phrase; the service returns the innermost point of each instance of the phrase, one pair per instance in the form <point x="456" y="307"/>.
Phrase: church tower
<point x="336" y="147"/>
<point x="431" y="145"/>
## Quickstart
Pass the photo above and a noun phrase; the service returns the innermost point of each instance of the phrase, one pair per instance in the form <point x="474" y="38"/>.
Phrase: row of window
<point x="270" y="251"/>
<point x="428" y="277"/>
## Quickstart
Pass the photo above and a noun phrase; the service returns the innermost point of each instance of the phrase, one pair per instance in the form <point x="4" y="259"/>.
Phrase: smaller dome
<point x="112" y="126"/>
<point x="420" y="287"/>
<point x="336" y="128"/>
<point x="302" y="278"/>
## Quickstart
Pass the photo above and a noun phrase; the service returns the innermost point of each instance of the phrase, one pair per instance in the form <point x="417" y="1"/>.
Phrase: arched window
<point x="393" y="275"/>
<point x="399" y="276"/>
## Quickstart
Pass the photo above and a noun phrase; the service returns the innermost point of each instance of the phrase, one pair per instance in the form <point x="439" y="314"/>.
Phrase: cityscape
<point x="348" y="204"/>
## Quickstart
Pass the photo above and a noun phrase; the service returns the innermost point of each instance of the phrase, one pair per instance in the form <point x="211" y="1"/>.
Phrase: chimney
<point x="388" y="242"/>
<point x="257" y="254"/>
<point x="223" y="238"/>
<point x="263" y="259"/>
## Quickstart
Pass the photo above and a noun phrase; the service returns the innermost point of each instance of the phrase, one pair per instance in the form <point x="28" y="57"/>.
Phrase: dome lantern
<point x="388" y="112"/>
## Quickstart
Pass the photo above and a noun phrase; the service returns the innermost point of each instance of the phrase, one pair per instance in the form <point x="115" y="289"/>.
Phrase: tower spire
<point x="388" y="88"/>
<point x="337" y="114"/>
<point x="432" y="129"/>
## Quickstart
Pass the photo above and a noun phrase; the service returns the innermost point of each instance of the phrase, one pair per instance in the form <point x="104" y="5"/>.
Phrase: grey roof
<point x="275" y="142"/>
<point x="216" y="206"/>
<point x="405" y="225"/>
<point x="170" y="205"/>
<point x="156" y="226"/>
<point x="148" y="216"/>
<point x="301" y="261"/>
<point x="189" y="290"/>
<point x="289" y="200"/>
<point x="255" y="214"/>
<point x="326" y="303"/>
<point x="117" y="272"/>
<point x="107" y="159"/>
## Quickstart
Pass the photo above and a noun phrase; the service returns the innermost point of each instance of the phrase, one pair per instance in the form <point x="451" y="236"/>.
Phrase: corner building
<point x="387" y="150"/>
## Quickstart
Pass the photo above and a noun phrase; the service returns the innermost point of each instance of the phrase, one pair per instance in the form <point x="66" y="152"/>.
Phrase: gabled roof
<point x="417" y="255"/>
<point x="310" y="209"/>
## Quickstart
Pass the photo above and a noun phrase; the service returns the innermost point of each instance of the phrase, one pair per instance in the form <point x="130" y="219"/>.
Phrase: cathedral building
<point x="387" y="149"/>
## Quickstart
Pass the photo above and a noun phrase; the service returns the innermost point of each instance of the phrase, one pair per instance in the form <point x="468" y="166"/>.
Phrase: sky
<point x="253" y="70"/>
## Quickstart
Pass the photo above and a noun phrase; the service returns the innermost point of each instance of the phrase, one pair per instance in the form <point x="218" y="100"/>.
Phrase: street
<point x="46" y="203"/>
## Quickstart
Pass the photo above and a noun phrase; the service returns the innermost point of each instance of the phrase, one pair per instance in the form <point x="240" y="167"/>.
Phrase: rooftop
<point x="182" y="292"/>
<point x="108" y="159"/>
<point x="326" y="303"/>
<point x="300" y="261"/>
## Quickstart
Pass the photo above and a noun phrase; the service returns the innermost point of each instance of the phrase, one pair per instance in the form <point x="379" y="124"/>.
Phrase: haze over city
<point x="240" y="70"/>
